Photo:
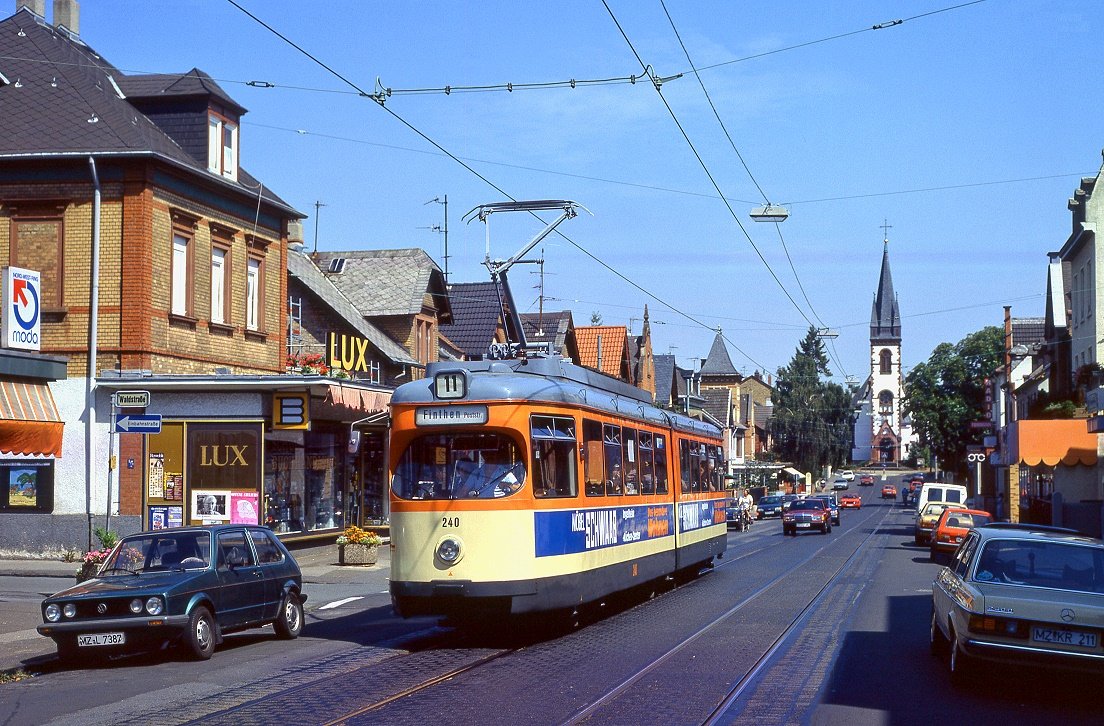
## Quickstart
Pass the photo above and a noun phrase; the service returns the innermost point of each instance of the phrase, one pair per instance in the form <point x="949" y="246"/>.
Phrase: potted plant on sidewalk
<point x="90" y="563"/>
<point x="356" y="546"/>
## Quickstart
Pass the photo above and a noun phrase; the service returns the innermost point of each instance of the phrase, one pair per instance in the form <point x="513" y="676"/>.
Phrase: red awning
<point x="358" y="399"/>
<point x="1053" y="442"/>
<point x="29" y="419"/>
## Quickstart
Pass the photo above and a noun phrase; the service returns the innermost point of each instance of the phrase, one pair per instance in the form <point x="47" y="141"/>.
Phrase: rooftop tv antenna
<point x="511" y="318"/>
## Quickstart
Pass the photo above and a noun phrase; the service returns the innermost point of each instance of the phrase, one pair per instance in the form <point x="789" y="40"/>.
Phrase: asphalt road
<point x="813" y="629"/>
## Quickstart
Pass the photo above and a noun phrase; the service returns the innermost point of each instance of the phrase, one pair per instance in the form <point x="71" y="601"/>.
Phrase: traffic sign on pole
<point x="146" y="423"/>
<point x="132" y="399"/>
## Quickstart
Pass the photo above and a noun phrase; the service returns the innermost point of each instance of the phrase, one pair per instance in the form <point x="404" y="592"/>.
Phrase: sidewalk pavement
<point x="22" y="647"/>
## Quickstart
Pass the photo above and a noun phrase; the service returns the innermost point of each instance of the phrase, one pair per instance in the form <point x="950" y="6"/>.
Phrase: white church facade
<point x="882" y="433"/>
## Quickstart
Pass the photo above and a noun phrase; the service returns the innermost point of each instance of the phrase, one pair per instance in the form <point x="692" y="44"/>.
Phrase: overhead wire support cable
<point x="709" y="174"/>
<point x="487" y="181"/>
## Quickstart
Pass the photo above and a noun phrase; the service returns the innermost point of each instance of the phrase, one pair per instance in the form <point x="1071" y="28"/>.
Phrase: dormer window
<point x="222" y="147"/>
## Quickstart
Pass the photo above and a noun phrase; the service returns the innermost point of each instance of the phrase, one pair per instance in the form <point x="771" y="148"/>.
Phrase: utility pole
<point x="435" y="228"/>
<point x="317" y="205"/>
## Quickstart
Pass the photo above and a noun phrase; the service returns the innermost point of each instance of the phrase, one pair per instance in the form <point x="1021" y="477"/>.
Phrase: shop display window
<point x="304" y="476"/>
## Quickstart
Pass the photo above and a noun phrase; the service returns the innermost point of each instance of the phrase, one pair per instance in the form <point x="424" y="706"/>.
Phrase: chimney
<point x="295" y="235"/>
<point x="67" y="15"/>
<point x="38" y="7"/>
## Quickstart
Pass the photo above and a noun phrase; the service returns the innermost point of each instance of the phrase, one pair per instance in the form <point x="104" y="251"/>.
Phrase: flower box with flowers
<point x="356" y="546"/>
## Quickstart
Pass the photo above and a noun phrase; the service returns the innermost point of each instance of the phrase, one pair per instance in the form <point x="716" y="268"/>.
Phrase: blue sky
<point x="966" y="129"/>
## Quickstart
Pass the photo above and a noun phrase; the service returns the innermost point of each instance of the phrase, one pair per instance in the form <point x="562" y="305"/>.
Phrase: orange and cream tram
<point x="534" y="485"/>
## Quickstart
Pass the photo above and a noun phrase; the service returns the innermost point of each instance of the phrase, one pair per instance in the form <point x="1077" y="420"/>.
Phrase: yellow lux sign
<point x="347" y="352"/>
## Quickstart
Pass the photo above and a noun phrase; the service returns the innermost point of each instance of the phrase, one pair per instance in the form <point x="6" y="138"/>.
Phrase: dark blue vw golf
<point x="186" y="585"/>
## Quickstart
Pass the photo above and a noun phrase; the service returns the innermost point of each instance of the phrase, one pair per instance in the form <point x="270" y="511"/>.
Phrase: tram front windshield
<point x="459" y="466"/>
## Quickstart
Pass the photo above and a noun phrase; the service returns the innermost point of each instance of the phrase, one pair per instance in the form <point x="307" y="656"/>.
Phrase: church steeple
<point x="885" y="317"/>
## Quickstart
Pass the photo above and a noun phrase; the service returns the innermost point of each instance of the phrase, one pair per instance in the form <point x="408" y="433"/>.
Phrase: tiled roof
<point x="664" y="378"/>
<point x="163" y="85"/>
<point x="763" y="416"/>
<point x="61" y="102"/>
<point x="475" y="317"/>
<point x="718" y="362"/>
<point x="301" y="268"/>
<point x="613" y="339"/>
<point x="553" y="327"/>
<point x="717" y="402"/>
<point x="1028" y="331"/>
<point x="388" y="282"/>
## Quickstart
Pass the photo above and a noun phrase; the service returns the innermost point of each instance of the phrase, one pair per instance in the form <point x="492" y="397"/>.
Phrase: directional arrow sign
<point x="146" y="423"/>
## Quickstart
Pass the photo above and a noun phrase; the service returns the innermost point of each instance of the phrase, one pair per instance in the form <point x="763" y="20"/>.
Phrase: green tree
<point x="812" y="417"/>
<point x="946" y="393"/>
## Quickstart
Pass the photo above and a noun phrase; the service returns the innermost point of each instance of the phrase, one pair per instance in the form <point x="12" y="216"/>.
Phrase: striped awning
<point x="29" y="419"/>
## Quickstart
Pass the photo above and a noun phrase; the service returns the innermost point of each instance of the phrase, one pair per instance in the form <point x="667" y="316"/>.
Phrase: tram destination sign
<point x="132" y="399"/>
<point x="470" y="414"/>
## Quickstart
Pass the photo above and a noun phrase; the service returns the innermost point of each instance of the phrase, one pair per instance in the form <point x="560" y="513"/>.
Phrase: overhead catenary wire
<point x="743" y="162"/>
<point x="712" y="180"/>
<point x="483" y="178"/>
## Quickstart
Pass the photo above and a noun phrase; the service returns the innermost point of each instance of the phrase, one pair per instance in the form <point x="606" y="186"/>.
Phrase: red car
<point x="866" y="480"/>
<point x="810" y="513"/>
<point x="952" y="527"/>
<point x="851" y="501"/>
<point x="888" y="491"/>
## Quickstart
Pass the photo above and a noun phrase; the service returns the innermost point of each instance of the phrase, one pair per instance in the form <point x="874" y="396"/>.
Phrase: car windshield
<point x="459" y="466"/>
<point x="965" y="521"/>
<point x="1058" y="565"/>
<point x="159" y="551"/>
<point x="808" y="504"/>
<point x="930" y="509"/>
<point x="767" y="501"/>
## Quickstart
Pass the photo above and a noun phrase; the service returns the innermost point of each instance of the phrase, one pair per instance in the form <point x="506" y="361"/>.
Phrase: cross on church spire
<point x="885" y="230"/>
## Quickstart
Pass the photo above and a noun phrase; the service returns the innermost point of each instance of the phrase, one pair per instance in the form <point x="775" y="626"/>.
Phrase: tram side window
<point x="685" y="468"/>
<point x="647" y="472"/>
<point x="594" y="469"/>
<point x="660" y="443"/>
<point x="553" y="467"/>
<point x="611" y="442"/>
<point x="718" y="468"/>
<point x="698" y="468"/>
<point x="631" y="465"/>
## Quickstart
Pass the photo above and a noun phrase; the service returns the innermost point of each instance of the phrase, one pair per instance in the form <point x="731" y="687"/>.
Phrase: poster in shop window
<point x="243" y="508"/>
<point x="210" y="506"/>
<point x="157" y="476"/>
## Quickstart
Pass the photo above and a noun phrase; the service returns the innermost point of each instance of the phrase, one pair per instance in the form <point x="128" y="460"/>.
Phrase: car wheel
<point x="937" y="641"/>
<point x="199" y="639"/>
<point x="290" y="622"/>
<point x="961" y="664"/>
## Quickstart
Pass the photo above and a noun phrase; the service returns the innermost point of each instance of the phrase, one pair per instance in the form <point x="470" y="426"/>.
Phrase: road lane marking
<point x="339" y="603"/>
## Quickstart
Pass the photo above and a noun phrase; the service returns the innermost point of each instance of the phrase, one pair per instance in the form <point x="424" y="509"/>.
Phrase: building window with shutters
<point x="222" y="146"/>
<point x="254" y="293"/>
<point x="886" y="361"/>
<point x="182" y="275"/>
<point x="220" y="284"/>
<point x="37" y="243"/>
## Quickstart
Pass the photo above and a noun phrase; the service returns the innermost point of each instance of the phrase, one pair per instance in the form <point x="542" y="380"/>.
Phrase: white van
<point x="938" y="492"/>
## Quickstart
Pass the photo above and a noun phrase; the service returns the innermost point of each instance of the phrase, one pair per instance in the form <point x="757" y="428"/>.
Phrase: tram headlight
<point x="449" y="550"/>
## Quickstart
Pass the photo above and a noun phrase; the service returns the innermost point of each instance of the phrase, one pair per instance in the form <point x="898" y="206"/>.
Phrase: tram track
<point x="427" y="678"/>
<point x="749" y="677"/>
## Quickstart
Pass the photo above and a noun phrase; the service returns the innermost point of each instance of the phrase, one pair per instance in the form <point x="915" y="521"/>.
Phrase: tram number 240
<point x="448" y="522"/>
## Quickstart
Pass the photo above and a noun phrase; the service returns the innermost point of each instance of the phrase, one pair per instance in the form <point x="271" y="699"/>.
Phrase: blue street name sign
<point x="146" y="423"/>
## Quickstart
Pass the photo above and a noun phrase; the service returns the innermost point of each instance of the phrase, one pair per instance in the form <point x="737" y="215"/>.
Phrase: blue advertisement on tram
<point x="583" y="530"/>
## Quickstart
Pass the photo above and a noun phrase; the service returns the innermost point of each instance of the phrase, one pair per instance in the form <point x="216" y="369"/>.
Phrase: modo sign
<point x="21" y="293"/>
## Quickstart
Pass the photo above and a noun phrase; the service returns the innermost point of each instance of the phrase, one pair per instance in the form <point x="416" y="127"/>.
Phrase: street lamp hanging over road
<point x="770" y="213"/>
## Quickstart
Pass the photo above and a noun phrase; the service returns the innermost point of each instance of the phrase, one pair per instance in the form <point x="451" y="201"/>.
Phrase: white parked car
<point x="847" y="474"/>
